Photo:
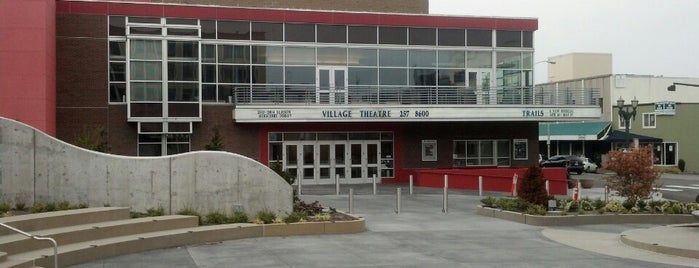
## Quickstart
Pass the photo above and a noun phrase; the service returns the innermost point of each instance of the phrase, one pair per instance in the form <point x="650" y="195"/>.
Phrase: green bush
<point x="216" y="218"/>
<point x="296" y="216"/>
<point x="681" y="164"/>
<point x="190" y="212"/>
<point x="265" y="217"/>
<point x="154" y="212"/>
<point x="81" y="205"/>
<point x="489" y="201"/>
<point x="38" y="207"/>
<point x="614" y="206"/>
<point x="63" y="205"/>
<point x="598" y="204"/>
<point x="4" y="207"/>
<point x="238" y="217"/>
<point x="21" y="206"/>
<point x="536" y="210"/>
<point x="50" y="206"/>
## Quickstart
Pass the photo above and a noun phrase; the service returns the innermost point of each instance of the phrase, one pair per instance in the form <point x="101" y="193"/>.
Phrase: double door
<point x="331" y="85"/>
<point x="318" y="162"/>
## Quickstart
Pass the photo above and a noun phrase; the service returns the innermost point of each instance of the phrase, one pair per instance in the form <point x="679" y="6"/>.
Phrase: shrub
<point x="489" y="201"/>
<point x="190" y="212"/>
<point x="614" y="206"/>
<point x="4" y="207"/>
<point x="296" y="216"/>
<point x="322" y="217"/>
<point x="216" y="218"/>
<point x="536" y="210"/>
<point x="681" y="164"/>
<point x="63" y="205"/>
<point x="628" y="204"/>
<point x="38" y="207"/>
<point x="238" y="217"/>
<point x="265" y="217"/>
<point x="20" y="206"/>
<point x="533" y="187"/>
<point x="598" y="204"/>
<point x="50" y="206"/>
<point x="216" y="143"/>
<point x="310" y="209"/>
<point x="634" y="176"/>
<point x="154" y="212"/>
<point x="81" y="205"/>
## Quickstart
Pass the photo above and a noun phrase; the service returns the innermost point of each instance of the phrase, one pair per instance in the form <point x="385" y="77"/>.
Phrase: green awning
<point x="573" y="131"/>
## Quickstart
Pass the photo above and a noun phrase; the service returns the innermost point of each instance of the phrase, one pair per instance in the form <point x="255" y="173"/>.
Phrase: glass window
<point x="146" y="91"/>
<point x="267" y="74"/>
<point x="527" y="60"/>
<point x="300" y="56"/>
<point x="423" y="77"/>
<point x="146" y="70"/>
<point x="226" y="93"/>
<point x="509" y="60"/>
<point x="509" y="38"/>
<point x="233" y="74"/>
<point x="300" y="32"/>
<point x="267" y="55"/>
<point x="392" y="76"/>
<point x="361" y="34"/>
<point x="393" y="35"/>
<point x="301" y="75"/>
<point x="267" y="31"/>
<point x="182" y="32"/>
<point x="362" y="57"/>
<point x="117" y="71"/>
<point x="180" y="21"/>
<point x="649" y="120"/>
<point x="233" y="30"/>
<point x="479" y="38"/>
<point x="393" y="57"/>
<point x="332" y="33"/>
<point x="451" y="37"/>
<point x="332" y="56"/>
<point x="234" y="54"/>
<point x="183" y="71"/>
<point x="144" y="20"/>
<point x="182" y="50"/>
<point x="117" y="26"/>
<point x="422" y="58"/>
<point x="451" y="77"/>
<point x="362" y="76"/>
<point x="117" y="92"/>
<point x="422" y="36"/>
<point x="451" y="58"/>
<point x="208" y="93"/>
<point x="145" y="30"/>
<point x="146" y="50"/>
<point x="208" y="73"/>
<point x="208" y="29"/>
<point x="183" y="92"/>
<point x="208" y="53"/>
<point x="117" y="50"/>
<point x="527" y="39"/>
<point x="479" y="59"/>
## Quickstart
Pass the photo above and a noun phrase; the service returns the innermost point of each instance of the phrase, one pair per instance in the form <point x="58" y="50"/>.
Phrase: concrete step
<point x="48" y="220"/>
<point x="3" y="255"/>
<point x="18" y="263"/>
<point x="17" y="243"/>
<point x="75" y="253"/>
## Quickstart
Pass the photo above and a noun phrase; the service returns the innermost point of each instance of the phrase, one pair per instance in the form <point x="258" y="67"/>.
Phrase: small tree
<point x="93" y="138"/>
<point x="533" y="187"/>
<point x="634" y="176"/>
<point x="216" y="143"/>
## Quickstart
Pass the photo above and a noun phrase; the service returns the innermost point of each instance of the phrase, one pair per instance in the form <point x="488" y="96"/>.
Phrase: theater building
<point x="322" y="92"/>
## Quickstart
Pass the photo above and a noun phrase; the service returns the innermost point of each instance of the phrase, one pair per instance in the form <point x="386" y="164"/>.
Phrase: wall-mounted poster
<point x="429" y="150"/>
<point x="520" y="149"/>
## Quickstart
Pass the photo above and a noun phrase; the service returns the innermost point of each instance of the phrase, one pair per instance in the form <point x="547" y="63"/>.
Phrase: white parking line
<point x="683" y="187"/>
<point x="667" y="189"/>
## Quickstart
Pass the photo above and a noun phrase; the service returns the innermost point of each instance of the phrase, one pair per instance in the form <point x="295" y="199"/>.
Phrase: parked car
<point x="589" y="166"/>
<point x="570" y="162"/>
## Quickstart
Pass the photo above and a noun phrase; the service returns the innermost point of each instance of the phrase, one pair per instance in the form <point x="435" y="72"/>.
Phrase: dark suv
<point x="570" y="162"/>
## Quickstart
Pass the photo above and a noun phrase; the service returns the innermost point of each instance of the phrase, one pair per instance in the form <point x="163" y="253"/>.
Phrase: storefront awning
<point x="569" y="131"/>
<point x="620" y="136"/>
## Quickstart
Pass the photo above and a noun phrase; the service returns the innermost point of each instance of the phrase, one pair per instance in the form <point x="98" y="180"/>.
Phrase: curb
<point x="585" y="219"/>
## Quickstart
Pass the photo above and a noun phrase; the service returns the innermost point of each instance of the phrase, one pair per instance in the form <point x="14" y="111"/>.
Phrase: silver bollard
<point x="548" y="192"/>
<point x="337" y="184"/>
<point x="606" y="193"/>
<point x="480" y="185"/>
<point x="398" y="200"/>
<point x="373" y="183"/>
<point x="411" y="184"/>
<point x="298" y="183"/>
<point x="446" y="195"/>
<point x="351" y="200"/>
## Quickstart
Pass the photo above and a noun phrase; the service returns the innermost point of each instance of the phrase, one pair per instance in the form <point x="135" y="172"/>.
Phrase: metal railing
<point x="417" y="95"/>
<point x="55" y="245"/>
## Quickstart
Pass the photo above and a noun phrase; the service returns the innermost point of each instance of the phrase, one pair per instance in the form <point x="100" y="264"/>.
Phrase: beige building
<point x="578" y="65"/>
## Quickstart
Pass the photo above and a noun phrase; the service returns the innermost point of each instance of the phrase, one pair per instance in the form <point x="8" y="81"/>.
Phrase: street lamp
<point x="548" y="125"/>
<point x="627" y="115"/>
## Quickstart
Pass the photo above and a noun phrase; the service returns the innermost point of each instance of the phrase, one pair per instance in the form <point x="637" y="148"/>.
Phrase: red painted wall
<point x="28" y="62"/>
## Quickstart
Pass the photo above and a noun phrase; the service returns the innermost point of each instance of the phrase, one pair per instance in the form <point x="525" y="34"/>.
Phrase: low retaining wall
<point x="584" y="219"/>
<point x="494" y="179"/>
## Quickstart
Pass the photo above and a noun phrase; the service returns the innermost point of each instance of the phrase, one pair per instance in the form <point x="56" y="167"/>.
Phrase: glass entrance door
<point x="318" y="162"/>
<point x="479" y="81"/>
<point x="331" y="83"/>
<point x="364" y="160"/>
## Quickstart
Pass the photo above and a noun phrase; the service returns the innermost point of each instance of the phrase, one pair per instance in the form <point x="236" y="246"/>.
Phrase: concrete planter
<point x="315" y="228"/>
<point x="587" y="183"/>
<point x="585" y="219"/>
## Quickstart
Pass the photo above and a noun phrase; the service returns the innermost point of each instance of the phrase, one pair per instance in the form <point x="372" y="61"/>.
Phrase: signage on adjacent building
<point x="665" y="108"/>
<point x="408" y="113"/>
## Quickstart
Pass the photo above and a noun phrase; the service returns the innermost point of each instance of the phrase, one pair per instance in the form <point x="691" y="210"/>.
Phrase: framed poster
<point x="521" y="151"/>
<point x="429" y="150"/>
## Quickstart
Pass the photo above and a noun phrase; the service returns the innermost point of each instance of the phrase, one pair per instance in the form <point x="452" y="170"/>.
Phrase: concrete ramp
<point x="35" y="167"/>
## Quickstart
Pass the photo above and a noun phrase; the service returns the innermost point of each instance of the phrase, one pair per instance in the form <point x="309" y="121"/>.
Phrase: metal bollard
<point x="411" y="184"/>
<point x="547" y="188"/>
<point x="480" y="185"/>
<point x="373" y="183"/>
<point x="351" y="200"/>
<point x="298" y="183"/>
<point x="398" y="200"/>
<point x="606" y="193"/>
<point x="446" y="195"/>
<point x="337" y="184"/>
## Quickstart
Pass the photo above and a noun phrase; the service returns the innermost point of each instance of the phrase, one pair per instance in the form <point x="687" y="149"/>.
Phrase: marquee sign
<point x="409" y="113"/>
<point x="665" y="108"/>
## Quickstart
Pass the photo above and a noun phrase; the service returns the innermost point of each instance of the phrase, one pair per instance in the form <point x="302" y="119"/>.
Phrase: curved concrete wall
<point x="36" y="167"/>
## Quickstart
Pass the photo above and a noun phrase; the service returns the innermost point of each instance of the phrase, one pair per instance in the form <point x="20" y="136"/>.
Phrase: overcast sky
<point x="644" y="36"/>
